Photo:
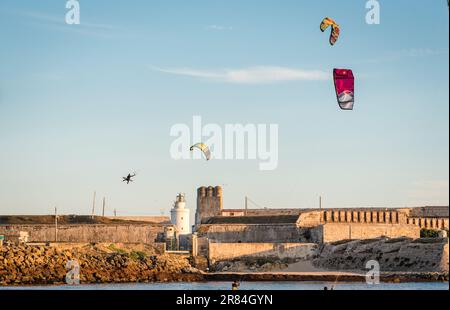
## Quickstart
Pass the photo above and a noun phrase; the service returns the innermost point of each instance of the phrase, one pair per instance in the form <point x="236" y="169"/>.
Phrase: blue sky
<point x="82" y="105"/>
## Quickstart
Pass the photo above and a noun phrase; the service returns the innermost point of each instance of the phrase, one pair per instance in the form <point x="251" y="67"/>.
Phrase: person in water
<point x="235" y="285"/>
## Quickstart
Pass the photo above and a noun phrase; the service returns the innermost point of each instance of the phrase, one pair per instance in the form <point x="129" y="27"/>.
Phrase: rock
<point x="45" y="265"/>
<point x="190" y="270"/>
<point x="267" y="267"/>
<point x="400" y="254"/>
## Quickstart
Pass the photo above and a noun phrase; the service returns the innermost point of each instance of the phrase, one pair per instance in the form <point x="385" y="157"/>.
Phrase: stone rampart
<point x="369" y="216"/>
<point x="231" y="251"/>
<point x="353" y="231"/>
<point x="259" y="233"/>
<point x="129" y="233"/>
<point x="429" y="223"/>
<point x="439" y="212"/>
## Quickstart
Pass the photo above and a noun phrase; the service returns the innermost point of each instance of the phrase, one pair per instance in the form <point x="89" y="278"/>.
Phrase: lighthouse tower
<point x="180" y="216"/>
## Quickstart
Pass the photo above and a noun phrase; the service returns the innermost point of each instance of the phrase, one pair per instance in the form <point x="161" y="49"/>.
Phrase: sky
<point x="83" y="105"/>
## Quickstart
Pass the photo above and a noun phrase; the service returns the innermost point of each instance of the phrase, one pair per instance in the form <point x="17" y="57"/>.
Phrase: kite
<point x="335" y="29"/>
<point x="204" y="148"/>
<point x="344" y="82"/>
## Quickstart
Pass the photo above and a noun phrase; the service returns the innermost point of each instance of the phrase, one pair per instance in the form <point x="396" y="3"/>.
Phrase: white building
<point x="180" y="216"/>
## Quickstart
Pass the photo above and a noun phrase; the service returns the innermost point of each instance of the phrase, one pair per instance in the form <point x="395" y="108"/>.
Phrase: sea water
<point x="244" y="286"/>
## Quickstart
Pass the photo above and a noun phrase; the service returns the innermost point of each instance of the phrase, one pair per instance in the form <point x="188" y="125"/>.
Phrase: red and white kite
<point x="344" y="82"/>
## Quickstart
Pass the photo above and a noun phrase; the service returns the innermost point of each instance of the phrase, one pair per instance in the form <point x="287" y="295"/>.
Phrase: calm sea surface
<point x="244" y="286"/>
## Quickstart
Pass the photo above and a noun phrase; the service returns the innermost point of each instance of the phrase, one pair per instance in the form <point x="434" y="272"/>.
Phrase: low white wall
<point x="230" y="251"/>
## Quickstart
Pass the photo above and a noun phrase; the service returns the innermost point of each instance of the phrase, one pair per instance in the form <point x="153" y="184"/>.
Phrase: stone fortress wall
<point x="282" y="233"/>
<point x="95" y="233"/>
<point x="221" y="225"/>
<point x="256" y="233"/>
<point x="428" y="217"/>
<point x="423" y="217"/>
<point x="374" y="217"/>
<point x="232" y="251"/>
<point x="394" y="216"/>
<point x="357" y="231"/>
<point x="439" y="212"/>
<point x="251" y="225"/>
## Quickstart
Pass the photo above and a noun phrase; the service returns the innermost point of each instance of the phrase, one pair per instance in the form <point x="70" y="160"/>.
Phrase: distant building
<point x="309" y="225"/>
<point x="16" y="237"/>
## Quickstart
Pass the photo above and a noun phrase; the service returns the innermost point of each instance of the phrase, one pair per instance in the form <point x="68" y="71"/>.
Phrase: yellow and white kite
<point x="204" y="148"/>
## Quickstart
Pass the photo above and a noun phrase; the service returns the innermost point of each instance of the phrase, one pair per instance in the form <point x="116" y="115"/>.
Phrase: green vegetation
<point x="113" y="247"/>
<point x="428" y="233"/>
<point x="137" y="255"/>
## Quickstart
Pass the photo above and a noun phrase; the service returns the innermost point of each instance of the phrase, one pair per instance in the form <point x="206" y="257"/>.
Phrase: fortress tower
<point x="180" y="216"/>
<point x="209" y="203"/>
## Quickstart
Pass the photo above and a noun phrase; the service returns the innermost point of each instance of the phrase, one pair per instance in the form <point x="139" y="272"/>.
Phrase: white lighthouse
<point x="180" y="216"/>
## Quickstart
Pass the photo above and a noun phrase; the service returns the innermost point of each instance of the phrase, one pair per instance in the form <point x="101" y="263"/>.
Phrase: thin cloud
<point x="58" y="23"/>
<point x="252" y="75"/>
<point x="61" y="20"/>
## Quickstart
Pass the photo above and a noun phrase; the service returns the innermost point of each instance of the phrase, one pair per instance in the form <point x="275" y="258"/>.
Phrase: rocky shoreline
<point x="37" y="265"/>
<point x="396" y="255"/>
<point x="102" y="264"/>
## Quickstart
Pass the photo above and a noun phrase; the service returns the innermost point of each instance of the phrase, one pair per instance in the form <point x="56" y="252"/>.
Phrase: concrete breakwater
<point x="23" y="265"/>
